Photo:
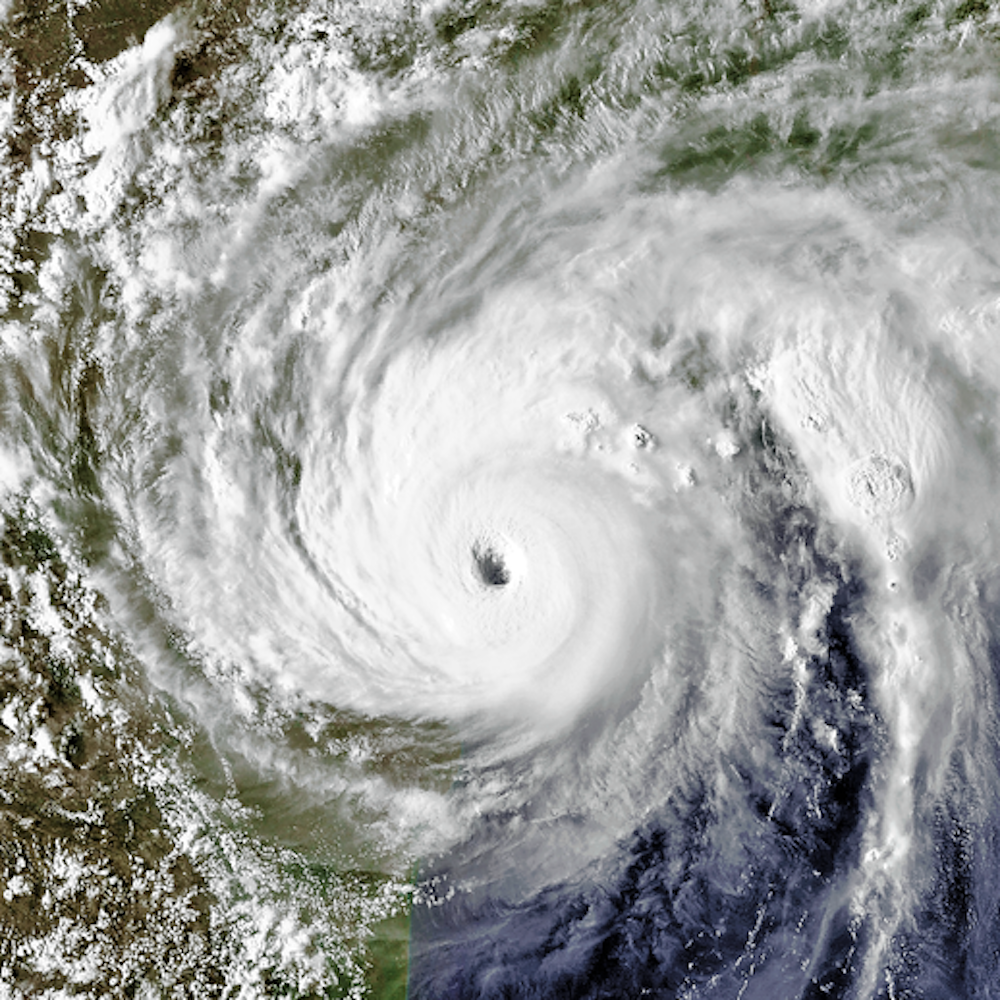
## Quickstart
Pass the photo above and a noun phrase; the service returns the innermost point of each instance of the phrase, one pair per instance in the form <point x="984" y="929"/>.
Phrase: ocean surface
<point x="499" y="500"/>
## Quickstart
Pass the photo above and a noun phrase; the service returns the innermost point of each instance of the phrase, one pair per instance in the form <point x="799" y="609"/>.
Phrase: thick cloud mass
<point x="540" y="460"/>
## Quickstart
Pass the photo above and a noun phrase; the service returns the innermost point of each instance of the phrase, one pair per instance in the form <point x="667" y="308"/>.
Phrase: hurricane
<point x="498" y="500"/>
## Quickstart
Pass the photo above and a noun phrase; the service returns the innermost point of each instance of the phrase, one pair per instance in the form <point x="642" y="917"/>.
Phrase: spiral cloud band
<point x="523" y="495"/>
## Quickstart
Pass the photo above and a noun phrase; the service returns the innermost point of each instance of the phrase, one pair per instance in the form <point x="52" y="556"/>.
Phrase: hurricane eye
<point x="490" y="565"/>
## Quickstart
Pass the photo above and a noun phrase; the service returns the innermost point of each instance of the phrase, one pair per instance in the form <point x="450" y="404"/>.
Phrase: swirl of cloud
<point x="502" y="561"/>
